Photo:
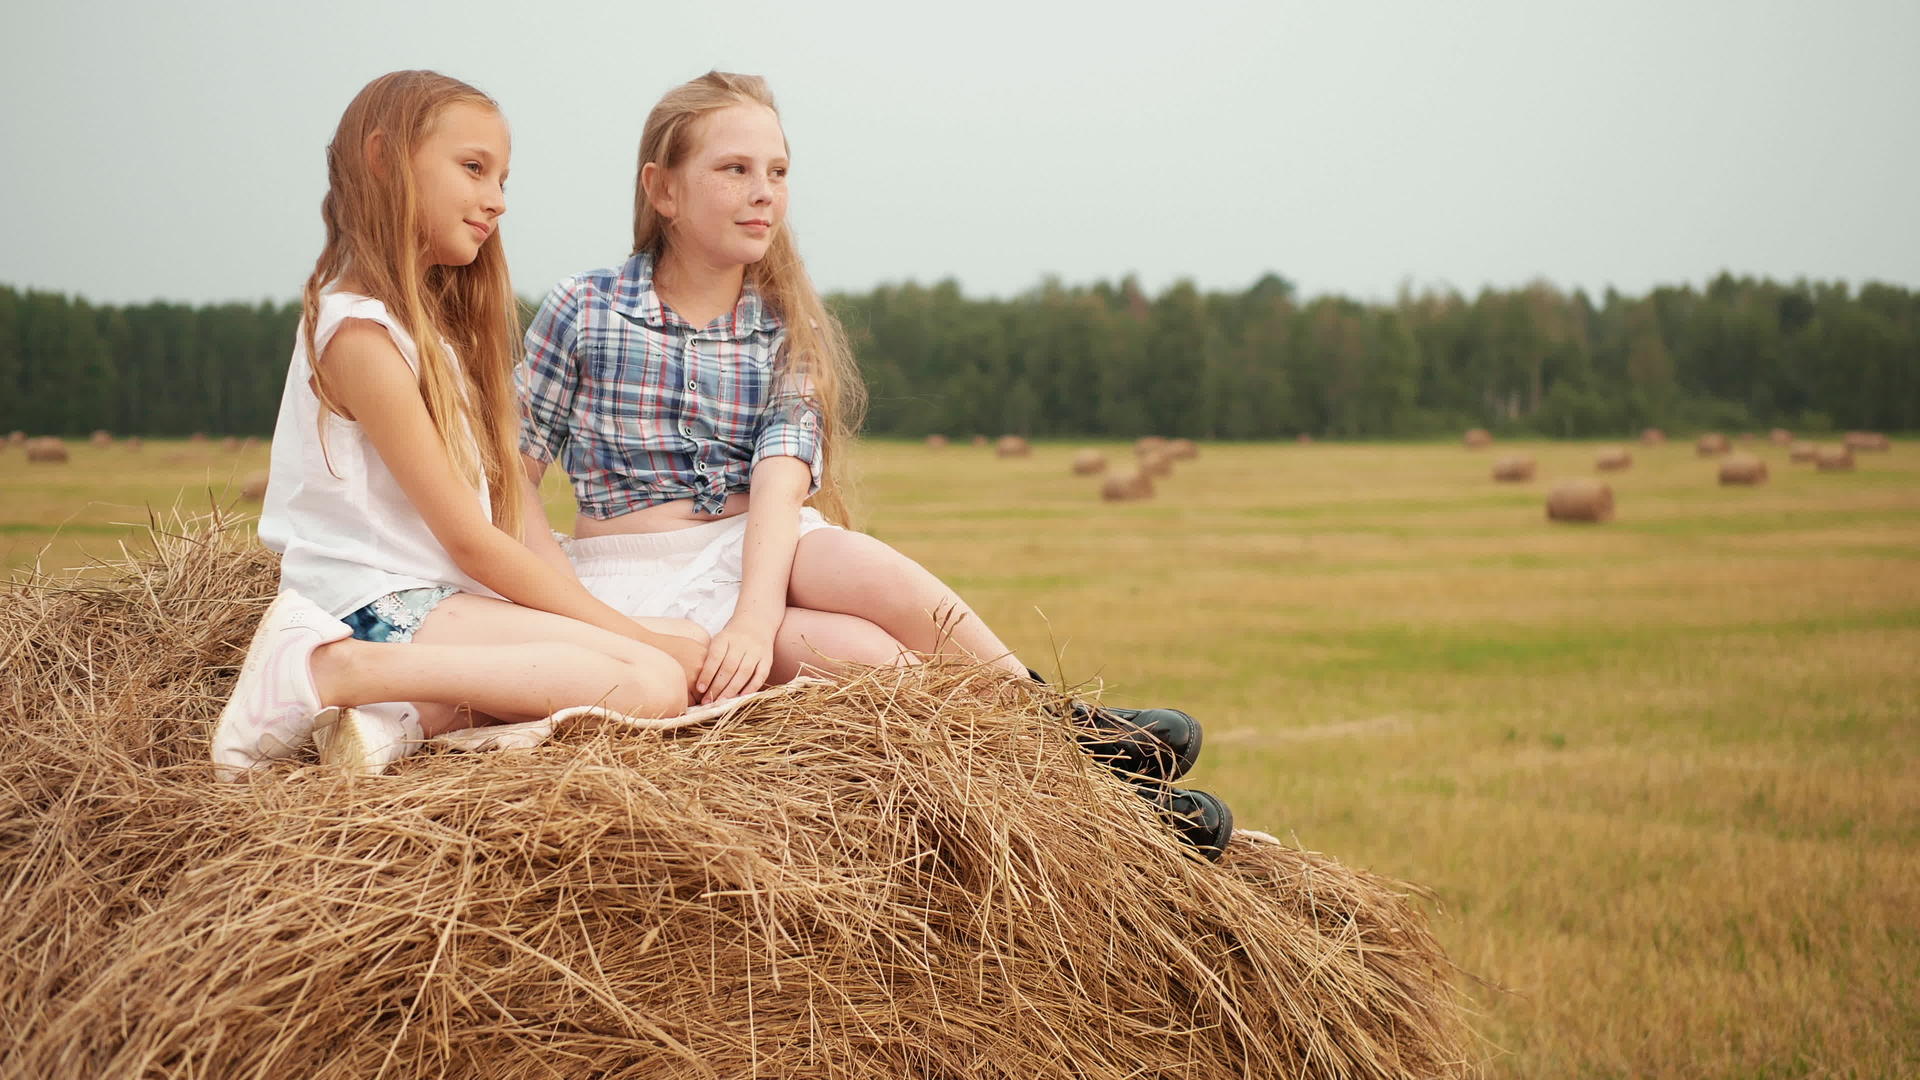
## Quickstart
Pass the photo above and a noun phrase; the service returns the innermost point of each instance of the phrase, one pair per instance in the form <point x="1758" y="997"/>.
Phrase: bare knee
<point x="653" y="685"/>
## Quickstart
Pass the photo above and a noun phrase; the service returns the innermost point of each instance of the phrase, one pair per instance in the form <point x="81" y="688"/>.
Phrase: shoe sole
<point x="349" y="741"/>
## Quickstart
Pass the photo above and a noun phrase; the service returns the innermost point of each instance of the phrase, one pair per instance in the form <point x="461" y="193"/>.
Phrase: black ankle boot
<point x="1200" y="818"/>
<point x="1157" y="744"/>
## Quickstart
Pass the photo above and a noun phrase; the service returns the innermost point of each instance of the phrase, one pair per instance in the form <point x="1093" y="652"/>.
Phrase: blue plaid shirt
<point x="641" y="407"/>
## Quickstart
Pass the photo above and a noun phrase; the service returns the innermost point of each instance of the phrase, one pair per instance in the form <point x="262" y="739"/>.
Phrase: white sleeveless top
<point x="346" y="535"/>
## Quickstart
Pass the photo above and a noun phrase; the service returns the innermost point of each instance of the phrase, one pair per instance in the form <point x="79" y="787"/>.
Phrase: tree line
<point x="1110" y="360"/>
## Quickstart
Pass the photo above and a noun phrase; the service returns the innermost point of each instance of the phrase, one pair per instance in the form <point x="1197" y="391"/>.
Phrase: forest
<point x="1111" y="360"/>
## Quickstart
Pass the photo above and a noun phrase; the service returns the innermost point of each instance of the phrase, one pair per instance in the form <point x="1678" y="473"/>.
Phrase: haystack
<point x="1580" y="500"/>
<point x="978" y="440"/>
<point x="1833" y="459"/>
<point x="101" y="437"/>
<point x="1150" y="444"/>
<point x="1089" y="463"/>
<point x="16" y="438"/>
<point x="1183" y="449"/>
<point x="1780" y="437"/>
<point x="1653" y="436"/>
<point x="1743" y="469"/>
<point x="198" y="438"/>
<point x="1711" y="444"/>
<point x="1514" y="468"/>
<point x="254" y="487"/>
<point x="1801" y="451"/>
<point x="1156" y="463"/>
<point x="230" y="444"/>
<point x="1122" y="487"/>
<point x="1476" y="438"/>
<point x="1612" y="459"/>
<point x="912" y="873"/>
<point x="936" y="442"/>
<point x="1303" y="439"/>
<point x="1012" y="446"/>
<point x="47" y="450"/>
<point x="1866" y="440"/>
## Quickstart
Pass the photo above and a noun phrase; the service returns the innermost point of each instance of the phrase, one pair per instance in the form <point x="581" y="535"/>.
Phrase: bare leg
<point x="822" y="641"/>
<point x="852" y="573"/>
<point x="502" y="660"/>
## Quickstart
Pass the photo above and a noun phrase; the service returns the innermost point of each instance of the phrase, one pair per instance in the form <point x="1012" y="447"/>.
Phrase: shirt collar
<point x="634" y="297"/>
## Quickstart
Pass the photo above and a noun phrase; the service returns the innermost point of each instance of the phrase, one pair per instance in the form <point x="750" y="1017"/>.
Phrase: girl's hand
<point x="738" y="660"/>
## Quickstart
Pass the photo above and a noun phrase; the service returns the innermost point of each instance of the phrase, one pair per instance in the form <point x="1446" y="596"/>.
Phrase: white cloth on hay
<point x="532" y="733"/>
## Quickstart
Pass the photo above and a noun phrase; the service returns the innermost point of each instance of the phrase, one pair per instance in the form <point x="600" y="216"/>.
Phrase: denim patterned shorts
<point x="395" y="616"/>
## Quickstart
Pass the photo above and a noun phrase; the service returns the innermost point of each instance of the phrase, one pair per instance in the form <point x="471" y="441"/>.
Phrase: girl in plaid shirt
<point x="408" y="600"/>
<point x="699" y="397"/>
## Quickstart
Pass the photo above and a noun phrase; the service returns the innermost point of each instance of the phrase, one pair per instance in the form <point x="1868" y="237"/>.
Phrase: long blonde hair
<point x="816" y="343"/>
<point x="374" y="233"/>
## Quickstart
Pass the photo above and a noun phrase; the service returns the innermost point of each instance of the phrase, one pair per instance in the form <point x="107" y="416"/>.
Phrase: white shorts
<point x="692" y="573"/>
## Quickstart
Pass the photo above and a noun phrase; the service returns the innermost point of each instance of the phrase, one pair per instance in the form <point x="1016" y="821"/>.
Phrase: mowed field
<point x="1662" y="776"/>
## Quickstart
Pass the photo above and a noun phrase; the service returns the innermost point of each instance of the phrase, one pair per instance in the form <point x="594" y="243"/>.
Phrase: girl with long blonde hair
<point x="410" y="598"/>
<point x="700" y="396"/>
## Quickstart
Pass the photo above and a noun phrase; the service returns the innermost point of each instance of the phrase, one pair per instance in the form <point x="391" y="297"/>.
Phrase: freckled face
<point x="728" y="198"/>
<point x="460" y="172"/>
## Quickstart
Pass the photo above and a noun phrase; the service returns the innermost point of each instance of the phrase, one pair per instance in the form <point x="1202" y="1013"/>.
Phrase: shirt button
<point x="692" y="386"/>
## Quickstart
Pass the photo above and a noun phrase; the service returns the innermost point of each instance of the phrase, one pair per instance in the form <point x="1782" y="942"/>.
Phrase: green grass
<point x="1662" y="775"/>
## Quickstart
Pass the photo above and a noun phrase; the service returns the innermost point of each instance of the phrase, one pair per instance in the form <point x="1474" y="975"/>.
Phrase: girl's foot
<point x="367" y="739"/>
<point x="1152" y="744"/>
<point x="1200" y="818"/>
<point x="271" y="712"/>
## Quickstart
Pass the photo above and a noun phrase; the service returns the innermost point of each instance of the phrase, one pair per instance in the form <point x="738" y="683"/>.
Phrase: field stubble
<point x="1659" y="773"/>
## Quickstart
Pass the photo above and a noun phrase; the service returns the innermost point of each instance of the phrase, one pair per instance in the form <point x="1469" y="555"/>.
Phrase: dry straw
<point x="1476" y="438"/>
<point x="1514" y="468"/>
<point x="254" y="487"/>
<point x="1653" y="436"/>
<point x="1122" y="487"/>
<point x="1149" y="444"/>
<point x="1157" y="463"/>
<point x="1866" y="440"/>
<point x="1089" y="463"/>
<point x="101" y="437"/>
<point x="1801" y="451"/>
<point x="1012" y="446"/>
<point x="1780" y="437"/>
<point x="936" y="442"/>
<point x="913" y="873"/>
<point x="46" y="450"/>
<point x="1833" y="459"/>
<point x="1183" y="449"/>
<point x="1711" y="444"/>
<point x="1612" y="459"/>
<point x="1743" y="469"/>
<point x="1580" y="500"/>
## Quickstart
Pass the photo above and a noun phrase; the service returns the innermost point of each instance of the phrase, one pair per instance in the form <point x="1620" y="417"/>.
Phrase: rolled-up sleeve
<point x="548" y="377"/>
<point x="790" y="425"/>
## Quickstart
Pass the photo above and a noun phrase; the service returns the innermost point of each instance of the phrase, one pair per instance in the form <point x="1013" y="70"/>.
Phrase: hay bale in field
<point x="230" y="444"/>
<point x="254" y="487"/>
<point x="1653" y="436"/>
<point x="1477" y="438"/>
<point x="1801" y="451"/>
<point x="1612" y="459"/>
<point x="198" y="438"/>
<point x="936" y="442"/>
<point x="1833" y="459"/>
<point x="16" y="438"/>
<point x="1012" y="446"/>
<point x="1089" y="462"/>
<point x="134" y="444"/>
<point x="1780" y="437"/>
<point x="851" y="880"/>
<point x="1872" y="441"/>
<point x="1303" y="439"/>
<point x="1150" y="444"/>
<point x="1711" y="444"/>
<point x="1156" y="463"/>
<point x="101" y="438"/>
<point x="1183" y="449"/>
<point x="46" y="450"/>
<point x="1122" y="487"/>
<point x="978" y="440"/>
<point x="1513" y="469"/>
<point x="1743" y="469"/>
<point x="1580" y="500"/>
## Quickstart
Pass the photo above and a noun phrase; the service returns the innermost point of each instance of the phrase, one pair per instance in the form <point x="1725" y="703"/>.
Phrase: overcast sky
<point x="174" y="150"/>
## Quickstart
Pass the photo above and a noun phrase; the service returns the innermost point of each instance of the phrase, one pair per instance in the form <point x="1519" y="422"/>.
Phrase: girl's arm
<point x="741" y="654"/>
<point x="368" y="377"/>
<point x="536" y="532"/>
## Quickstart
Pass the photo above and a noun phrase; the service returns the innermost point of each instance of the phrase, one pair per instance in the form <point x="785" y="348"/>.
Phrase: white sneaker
<point x="366" y="739"/>
<point x="271" y="712"/>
